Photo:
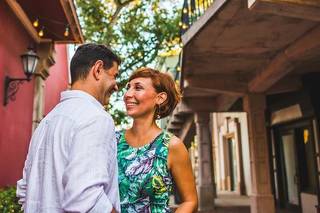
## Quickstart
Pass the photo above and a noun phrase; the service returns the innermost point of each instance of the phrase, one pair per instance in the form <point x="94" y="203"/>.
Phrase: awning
<point x="54" y="18"/>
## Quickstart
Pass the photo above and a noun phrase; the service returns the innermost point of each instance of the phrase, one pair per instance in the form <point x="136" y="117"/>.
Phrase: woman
<point x="151" y="159"/>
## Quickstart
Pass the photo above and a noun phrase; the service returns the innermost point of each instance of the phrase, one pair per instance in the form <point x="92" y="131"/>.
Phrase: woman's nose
<point x="128" y="93"/>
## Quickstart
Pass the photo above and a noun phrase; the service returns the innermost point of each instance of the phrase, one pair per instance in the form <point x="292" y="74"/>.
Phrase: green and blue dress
<point x="145" y="182"/>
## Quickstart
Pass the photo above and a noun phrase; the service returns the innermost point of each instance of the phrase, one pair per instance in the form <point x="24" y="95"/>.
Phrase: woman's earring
<point x="158" y="112"/>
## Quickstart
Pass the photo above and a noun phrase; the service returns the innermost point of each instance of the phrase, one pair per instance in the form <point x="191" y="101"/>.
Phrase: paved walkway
<point x="230" y="199"/>
<point x="232" y="203"/>
<point x="227" y="202"/>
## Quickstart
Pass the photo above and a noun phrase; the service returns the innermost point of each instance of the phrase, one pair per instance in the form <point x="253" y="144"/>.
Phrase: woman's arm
<point x="181" y="170"/>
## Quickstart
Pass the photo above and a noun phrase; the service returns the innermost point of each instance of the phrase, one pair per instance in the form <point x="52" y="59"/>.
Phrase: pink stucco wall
<point x="16" y="117"/>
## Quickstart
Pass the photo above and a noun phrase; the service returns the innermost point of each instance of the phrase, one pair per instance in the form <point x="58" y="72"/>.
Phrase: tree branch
<point x="125" y="3"/>
<point x="143" y="60"/>
<point x="120" y="6"/>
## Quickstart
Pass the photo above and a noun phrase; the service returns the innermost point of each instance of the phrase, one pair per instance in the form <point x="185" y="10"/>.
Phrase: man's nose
<point x="116" y="88"/>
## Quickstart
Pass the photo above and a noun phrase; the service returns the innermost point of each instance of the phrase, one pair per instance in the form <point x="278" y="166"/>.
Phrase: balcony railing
<point x="191" y="11"/>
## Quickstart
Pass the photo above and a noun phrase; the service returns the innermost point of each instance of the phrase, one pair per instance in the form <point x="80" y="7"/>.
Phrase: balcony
<point x="235" y="47"/>
<point x="191" y="11"/>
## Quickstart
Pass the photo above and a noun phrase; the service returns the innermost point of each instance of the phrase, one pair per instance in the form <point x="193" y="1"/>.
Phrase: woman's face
<point x="140" y="98"/>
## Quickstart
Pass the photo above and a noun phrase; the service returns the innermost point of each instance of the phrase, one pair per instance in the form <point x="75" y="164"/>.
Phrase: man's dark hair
<point x="86" y="56"/>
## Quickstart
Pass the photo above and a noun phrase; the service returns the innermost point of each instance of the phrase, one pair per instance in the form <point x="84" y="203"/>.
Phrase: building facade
<point x="250" y="76"/>
<point x="25" y="103"/>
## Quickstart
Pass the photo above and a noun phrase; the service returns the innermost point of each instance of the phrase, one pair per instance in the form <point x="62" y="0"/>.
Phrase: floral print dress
<point x="145" y="182"/>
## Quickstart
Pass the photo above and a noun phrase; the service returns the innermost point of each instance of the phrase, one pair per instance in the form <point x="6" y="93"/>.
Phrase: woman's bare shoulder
<point x="176" y="145"/>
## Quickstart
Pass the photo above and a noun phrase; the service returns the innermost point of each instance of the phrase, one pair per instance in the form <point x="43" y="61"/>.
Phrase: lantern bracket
<point x="12" y="85"/>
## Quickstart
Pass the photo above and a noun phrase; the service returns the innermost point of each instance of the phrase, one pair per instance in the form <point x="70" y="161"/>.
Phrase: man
<point x="71" y="164"/>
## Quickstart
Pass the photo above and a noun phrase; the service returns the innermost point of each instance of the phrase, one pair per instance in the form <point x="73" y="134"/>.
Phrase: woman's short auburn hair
<point x="162" y="82"/>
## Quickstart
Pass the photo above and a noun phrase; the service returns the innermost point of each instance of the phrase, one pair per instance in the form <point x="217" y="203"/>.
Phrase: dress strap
<point x="119" y="134"/>
<point x="166" y="137"/>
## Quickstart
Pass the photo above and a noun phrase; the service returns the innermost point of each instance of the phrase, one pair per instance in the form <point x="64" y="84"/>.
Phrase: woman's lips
<point x="131" y="104"/>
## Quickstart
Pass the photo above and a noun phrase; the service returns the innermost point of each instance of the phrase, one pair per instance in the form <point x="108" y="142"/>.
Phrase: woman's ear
<point x="161" y="98"/>
<point x="97" y="69"/>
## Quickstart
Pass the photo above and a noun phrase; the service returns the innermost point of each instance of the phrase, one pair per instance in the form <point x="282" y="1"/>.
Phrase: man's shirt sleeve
<point x="92" y="157"/>
<point x="21" y="191"/>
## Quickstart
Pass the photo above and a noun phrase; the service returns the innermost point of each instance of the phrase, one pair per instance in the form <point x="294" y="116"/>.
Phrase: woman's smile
<point x="130" y="104"/>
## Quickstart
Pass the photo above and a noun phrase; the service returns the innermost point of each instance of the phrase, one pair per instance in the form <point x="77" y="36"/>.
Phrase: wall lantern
<point x="11" y="85"/>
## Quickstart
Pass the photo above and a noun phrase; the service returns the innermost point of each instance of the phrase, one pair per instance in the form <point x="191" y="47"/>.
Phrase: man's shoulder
<point x="79" y="111"/>
<point x="90" y="113"/>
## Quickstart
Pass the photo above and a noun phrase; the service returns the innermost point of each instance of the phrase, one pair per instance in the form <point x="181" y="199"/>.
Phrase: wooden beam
<point x="303" y="9"/>
<point x="202" y="21"/>
<point x="72" y="17"/>
<point x="198" y="104"/>
<point x="226" y="84"/>
<point x="224" y="102"/>
<point x="283" y="63"/>
<point x="220" y="103"/>
<point x="224" y="10"/>
<point x="277" y="69"/>
<point x="23" y="18"/>
<point x="288" y="84"/>
<point x="190" y="92"/>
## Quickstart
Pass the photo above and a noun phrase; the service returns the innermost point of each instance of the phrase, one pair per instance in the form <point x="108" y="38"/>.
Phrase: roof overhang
<point x="302" y="9"/>
<point x="243" y="46"/>
<point x="54" y="17"/>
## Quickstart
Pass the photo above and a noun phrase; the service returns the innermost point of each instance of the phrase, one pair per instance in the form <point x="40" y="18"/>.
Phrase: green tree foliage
<point x="138" y="30"/>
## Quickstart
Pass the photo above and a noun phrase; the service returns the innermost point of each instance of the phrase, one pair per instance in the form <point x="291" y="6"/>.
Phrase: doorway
<point x="290" y="167"/>
<point x="232" y="168"/>
<point x="295" y="164"/>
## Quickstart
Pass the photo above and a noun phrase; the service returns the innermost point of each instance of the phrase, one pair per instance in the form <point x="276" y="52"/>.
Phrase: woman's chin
<point x="130" y="114"/>
<point x="134" y="115"/>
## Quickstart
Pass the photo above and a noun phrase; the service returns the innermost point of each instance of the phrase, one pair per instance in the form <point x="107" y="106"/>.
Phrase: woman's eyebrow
<point x="138" y="83"/>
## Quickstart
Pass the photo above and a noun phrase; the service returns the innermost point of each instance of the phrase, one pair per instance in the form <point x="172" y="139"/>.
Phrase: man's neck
<point x="82" y="86"/>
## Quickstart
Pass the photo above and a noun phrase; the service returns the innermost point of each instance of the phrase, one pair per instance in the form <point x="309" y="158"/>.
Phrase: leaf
<point x="141" y="164"/>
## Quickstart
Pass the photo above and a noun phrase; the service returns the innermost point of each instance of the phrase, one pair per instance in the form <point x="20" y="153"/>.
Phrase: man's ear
<point x="161" y="98"/>
<point x="97" y="69"/>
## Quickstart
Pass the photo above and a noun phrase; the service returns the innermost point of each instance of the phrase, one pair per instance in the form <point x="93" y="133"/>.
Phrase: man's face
<point x="108" y="83"/>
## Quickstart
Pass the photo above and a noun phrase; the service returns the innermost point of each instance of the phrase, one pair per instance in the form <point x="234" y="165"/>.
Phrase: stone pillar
<point x="262" y="200"/>
<point x="205" y="187"/>
<point x="45" y="51"/>
<point x="38" y="101"/>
